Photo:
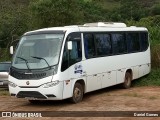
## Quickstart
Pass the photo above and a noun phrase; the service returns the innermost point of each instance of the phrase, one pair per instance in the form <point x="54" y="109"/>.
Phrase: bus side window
<point x="133" y="42"/>
<point x="119" y="43"/>
<point x="89" y="46"/>
<point x="73" y="56"/>
<point x="144" y="41"/>
<point x="103" y="44"/>
<point x="108" y="44"/>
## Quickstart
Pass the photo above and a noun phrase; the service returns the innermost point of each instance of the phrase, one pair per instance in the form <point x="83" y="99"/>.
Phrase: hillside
<point x="113" y="4"/>
<point x="19" y="16"/>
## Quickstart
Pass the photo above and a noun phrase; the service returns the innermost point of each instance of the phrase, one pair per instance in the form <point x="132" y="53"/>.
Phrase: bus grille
<point x="19" y="75"/>
<point x="30" y="94"/>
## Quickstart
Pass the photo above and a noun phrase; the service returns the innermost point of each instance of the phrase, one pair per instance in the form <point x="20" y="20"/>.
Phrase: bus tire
<point x="127" y="80"/>
<point x="77" y="93"/>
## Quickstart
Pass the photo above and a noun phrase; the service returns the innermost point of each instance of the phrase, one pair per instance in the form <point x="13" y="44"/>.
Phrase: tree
<point x="155" y="10"/>
<point x="47" y="13"/>
<point x="129" y="10"/>
<point x="13" y="19"/>
<point x="93" y="12"/>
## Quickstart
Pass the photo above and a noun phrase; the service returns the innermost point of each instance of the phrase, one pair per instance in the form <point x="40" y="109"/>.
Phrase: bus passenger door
<point x="71" y="63"/>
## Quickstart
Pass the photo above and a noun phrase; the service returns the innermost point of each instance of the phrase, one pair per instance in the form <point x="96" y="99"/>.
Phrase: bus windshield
<point x="38" y="51"/>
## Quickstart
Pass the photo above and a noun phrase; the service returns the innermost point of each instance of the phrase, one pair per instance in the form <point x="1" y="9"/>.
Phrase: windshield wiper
<point x="25" y="62"/>
<point x="40" y="58"/>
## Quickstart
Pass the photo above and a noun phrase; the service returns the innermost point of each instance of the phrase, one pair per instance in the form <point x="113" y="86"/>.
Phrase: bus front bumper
<point x="38" y="93"/>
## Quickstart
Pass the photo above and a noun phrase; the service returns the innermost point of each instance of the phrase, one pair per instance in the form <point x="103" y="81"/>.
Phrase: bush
<point x="152" y="79"/>
<point x="4" y="56"/>
<point x="155" y="10"/>
<point x="155" y="56"/>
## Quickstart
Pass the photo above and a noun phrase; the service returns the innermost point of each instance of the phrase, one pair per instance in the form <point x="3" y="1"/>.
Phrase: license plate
<point x="1" y="83"/>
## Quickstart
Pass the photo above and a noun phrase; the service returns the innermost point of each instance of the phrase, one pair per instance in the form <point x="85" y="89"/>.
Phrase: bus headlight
<point x="50" y="84"/>
<point x="12" y="84"/>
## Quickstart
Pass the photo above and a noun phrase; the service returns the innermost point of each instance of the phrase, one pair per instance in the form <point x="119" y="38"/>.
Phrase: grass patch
<point x="4" y="92"/>
<point x="132" y="95"/>
<point x="153" y="79"/>
<point x="152" y="98"/>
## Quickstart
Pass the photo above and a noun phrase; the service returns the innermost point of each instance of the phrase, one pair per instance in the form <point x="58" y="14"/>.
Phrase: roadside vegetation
<point x="152" y="79"/>
<point x="19" y="16"/>
<point x="4" y="92"/>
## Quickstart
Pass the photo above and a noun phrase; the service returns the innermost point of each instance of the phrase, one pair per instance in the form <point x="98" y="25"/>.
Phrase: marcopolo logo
<point x="27" y="83"/>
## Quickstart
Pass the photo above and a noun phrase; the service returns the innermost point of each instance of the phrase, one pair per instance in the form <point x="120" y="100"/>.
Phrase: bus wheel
<point x="127" y="80"/>
<point x="77" y="93"/>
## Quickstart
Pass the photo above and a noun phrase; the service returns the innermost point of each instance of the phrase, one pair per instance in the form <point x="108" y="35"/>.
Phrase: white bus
<point x="67" y="62"/>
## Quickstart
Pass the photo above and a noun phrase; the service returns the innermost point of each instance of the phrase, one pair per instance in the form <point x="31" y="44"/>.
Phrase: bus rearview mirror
<point x="69" y="45"/>
<point x="11" y="50"/>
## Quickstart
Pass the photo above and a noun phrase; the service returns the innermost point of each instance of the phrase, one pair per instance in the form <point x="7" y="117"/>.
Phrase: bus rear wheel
<point x="127" y="80"/>
<point x="77" y="93"/>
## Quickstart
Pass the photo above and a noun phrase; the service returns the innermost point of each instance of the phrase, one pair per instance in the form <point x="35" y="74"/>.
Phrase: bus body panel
<point x="107" y="71"/>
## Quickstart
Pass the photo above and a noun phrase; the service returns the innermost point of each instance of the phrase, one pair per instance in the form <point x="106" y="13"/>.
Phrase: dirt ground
<point x="109" y="99"/>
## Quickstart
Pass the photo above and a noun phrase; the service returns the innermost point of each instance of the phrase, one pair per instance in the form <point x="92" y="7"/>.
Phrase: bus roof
<point x="91" y="27"/>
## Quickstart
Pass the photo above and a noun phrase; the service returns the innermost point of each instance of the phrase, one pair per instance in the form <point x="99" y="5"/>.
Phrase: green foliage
<point x="153" y="25"/>
<point x="155" y="10"/>
<point x="47" y="13"/>
<point x="92" y="12"/>
<point x="153" y="79"/>
<point x="12" y="21"/>
<point x="155" y="56"/>
<point x="129" y="10"/>
<point x="5" y="56"/>
<point x="108" y="4"/>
